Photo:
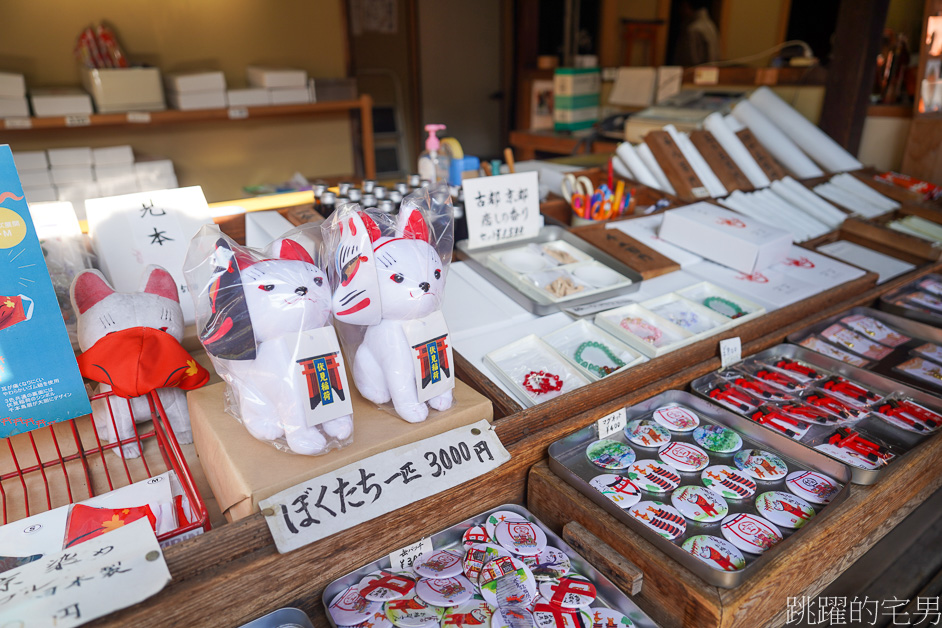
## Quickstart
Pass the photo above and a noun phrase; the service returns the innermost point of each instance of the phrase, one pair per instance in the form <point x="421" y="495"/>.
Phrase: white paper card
<point x="377" y="485"/>
<point x="432" y="360"/>
<point x="730" y="351"/>
<point x="261" y="228"/>
<point x="885" y="266"/>
<point x="55" y="220"/>
<point x="320" y="376"/>
<point x="612" y="423"/>
<point x="87" y="581"/>
<point x="502" y="208"/>
<point x="816" y="269"/>
<point x="402" y="559"/>
<point x="130" y="232"/>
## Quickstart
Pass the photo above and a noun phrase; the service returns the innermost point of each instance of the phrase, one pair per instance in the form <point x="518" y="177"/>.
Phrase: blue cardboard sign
<point x="40" y="383"/>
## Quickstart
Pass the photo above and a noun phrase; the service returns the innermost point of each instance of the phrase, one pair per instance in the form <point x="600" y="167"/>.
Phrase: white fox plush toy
<point x="131" y="344"/>
<point x="385" y="276"/>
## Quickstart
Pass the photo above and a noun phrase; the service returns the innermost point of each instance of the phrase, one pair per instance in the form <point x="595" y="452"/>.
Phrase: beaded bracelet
<point x="684" y="319"/>
<point x="541" y="382"/>
<point x="636" y="325"/>
<point x="601" y="370"/>
<point x="734" y="310"/>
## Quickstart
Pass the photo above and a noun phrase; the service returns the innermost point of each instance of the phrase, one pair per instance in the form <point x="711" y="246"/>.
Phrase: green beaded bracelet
<point x="736" y="310"/>
<point x="602" y="371"/>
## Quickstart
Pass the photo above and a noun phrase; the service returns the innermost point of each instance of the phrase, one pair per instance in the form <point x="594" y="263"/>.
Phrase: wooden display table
<point x="527" y="143"/>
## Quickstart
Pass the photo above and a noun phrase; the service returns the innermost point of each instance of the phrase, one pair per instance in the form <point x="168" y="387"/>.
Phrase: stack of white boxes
<point x="197" y="90"/>
<point x="13" y="96"/>
<point x="72" y="174"/>
<point x="285" y="86"/>
<point x="114" y="170"/>
<point x="60" y="101"/>
<point x="33" y="168"/>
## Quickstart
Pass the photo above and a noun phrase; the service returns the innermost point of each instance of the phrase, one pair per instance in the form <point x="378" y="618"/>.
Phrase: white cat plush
<point x="258" y="307"/>
<point x="131" y="344"/>
<point x="387" y="275"/>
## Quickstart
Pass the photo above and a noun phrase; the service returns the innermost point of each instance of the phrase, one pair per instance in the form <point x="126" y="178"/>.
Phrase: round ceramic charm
<point x="570" y="592"/>
<point x="608" y="618"/>
<point x="438" y="564"/>
<point x="475" y="534"/>
<point x="479" y="555"/>
<point x="699" y="503"/>
<point x="784" y="509"/>
<point x="610" y="454"/>
<point x="683" y="456"/>
<point x="729" y="482"/>
<point x="617" y="488"/>
<point x="382" y="586"/>
<point x="717" y="438"/>
<point x="647" y="433"/>
<point x="653" y="476"/>
<point x="444" y="591"/>
<point x="750" y="533"/>
<point x="521" y="537"/>
<point x="550" y="616"/>
<point x="512" y="617"/>
<point x="659" y="517"/>
<point x="506" y="581"/>
<point x="715" y="552"/>
<point x="349" y="608"/>
<point x="550" y="564"/>
<point x="811" y="486"/>
<point x="676" y="418"/>
<point x="472" y="614"/>
<point x="761" y="465"/>
<point x="496" y="517"/>
<point x="412" y="612"/>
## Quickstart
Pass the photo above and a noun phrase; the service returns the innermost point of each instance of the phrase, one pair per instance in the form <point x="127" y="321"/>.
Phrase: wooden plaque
<point x="719" y="161"/>
<point x="764" y="158"/>
<point x="676" y="167"/>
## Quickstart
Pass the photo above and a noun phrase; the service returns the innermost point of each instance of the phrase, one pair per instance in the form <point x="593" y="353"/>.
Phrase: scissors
<point x="577" y="191"/>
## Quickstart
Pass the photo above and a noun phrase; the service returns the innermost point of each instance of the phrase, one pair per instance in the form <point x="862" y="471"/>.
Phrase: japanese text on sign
<point x="502" y="208"/>
<point x="612" y="423"/>
<point x="403" y="558"/>
<point x="380" y="484"/>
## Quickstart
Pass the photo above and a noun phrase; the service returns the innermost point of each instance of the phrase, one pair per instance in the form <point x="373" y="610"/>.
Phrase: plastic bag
<point x="264" y="319"/>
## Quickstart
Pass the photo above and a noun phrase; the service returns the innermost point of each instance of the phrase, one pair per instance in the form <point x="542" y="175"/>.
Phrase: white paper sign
<point x="131" y="231"/>
<point x="84" y="582"/>
<point x="612" y="423"/>
<point x="502" y="208"/>
<point x="377" y="485"/>
<point x="138" y="117"/>
<point x="730" y="351"/>
<point x="432" y="360"/>
<point x="320" y="376"/>
<point x="402" y="559"/>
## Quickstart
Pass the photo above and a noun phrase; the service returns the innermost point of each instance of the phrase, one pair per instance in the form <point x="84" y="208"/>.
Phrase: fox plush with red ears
<point x="388" y="278"/>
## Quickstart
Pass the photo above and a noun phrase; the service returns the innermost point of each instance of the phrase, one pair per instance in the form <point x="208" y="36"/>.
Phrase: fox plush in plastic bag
<point x="264" y="318"/>
<point x="388" y="276"/>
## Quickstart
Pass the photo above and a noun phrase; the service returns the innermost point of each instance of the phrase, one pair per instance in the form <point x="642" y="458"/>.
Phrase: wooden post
<point x="366" y="133"/>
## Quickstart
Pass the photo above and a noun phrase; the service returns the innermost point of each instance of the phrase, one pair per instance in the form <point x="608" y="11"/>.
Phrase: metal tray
<point x="890" y="302"/>
<point x="282" y="618"/>
<point x="536" y="303"/>
<point x="900" y="440"/>
<point x="919" y="332"/>
<point x="568" y="460"/>
<point x="609" y="595"/>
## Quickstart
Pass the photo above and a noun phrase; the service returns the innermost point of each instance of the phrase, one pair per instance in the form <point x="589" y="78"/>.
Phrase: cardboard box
<point x="576" y="98"/>
<point x="12" y="85"/>
<point x="60" y="101"/>
<point x="124" y="89"/>
<point x="78" y="156"/>
<point x="113" y="155"/>
<point x="41" y="194"/>
<point x="16" y="107"/>
<point x="62" y="175"/>
<point x="290" y="96"/>
<point x="190" y="101"/>
<point x="725" y="237"/>
<point x="31" y="160"/>
<point x="242" y="470"/>
<point x="35" y="178"/>
<point x="259" y="76"/>
<point x="195" y="82"/>
<point x="248" y="97"/>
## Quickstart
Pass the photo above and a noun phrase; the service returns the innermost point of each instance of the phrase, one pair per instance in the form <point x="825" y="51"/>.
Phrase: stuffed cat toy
<point x="385" y="277"/>
<point x="131" y="344"/>
<point x="258" y="307"/>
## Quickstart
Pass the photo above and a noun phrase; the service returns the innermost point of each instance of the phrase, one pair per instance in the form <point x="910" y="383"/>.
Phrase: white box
<point x="79" y="156"/>
<point x="725" y="237"/>
<point x="290" y="96"/>
<point x="115" y="171"/>
<point x="154" y="169"/>
<point x="12" y="85"/>
<point x="15" y="107"/>
<point x="248" y="97"/>
<point x="43" y="194"/>
<point x="117" y="90"/>
<point x="60" y="101"/>
<point x="189" y="101"/>
<point x="769" y="287"/>
<point x="77" y="193"/>
<point x="62" y="175"/>
<point x="275" y="77"/>
<point x="110" y="155"/>
<point x="195" y="82"/>
<point x="30" y="160"/>
<point x="35" y="178"/>
<point x="817" y="269"/>
<point x="117" y="187"/>
<point x="159" y="183"/>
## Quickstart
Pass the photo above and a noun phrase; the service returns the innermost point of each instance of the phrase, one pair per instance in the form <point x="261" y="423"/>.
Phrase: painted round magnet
<point x="610" y="454"/>
<point x="784" y="509"/>
<point x="729" y="482"/>
<point x="716" y="552"/>
<point x="349" y="608"/>
<point x="475" y="534"/>
<point x="750" y="533"/>
<point x="506" y="581"/>
<point x="512" y="617"/>
<point x="498" y="516"/>
<point x="521" y="537"/>
<point x="413" y="612"/>
<point x="382" y="586"/>
<point x="608" y="618"/>
<point x="444" y="591"/>
<point x="547" y="615"/>
<point x="761" y="465"/>
<point x="479" y="555"/>
<point x="438" y="564"/>
<point x="683" y="456"/>
<point x="717" y="438"/>
<point x="378" y="620"/>
<point x="699" y="503"/>
<point x="550" y="564"/>
<point x="811" y="486"/>
<point x="617" y="488"/>
<point x="572" y="591"/>
<point x="647" y="433"/>
<point x="676" y="418"/>
<point x="659" y="517"/>
<point x="475" y="613"/>
<point x="653" y="476"/>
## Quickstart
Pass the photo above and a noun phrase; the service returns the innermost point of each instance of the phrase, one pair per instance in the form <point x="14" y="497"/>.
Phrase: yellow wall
<point x="749" y="27"/>
<point x="178" y="35"/>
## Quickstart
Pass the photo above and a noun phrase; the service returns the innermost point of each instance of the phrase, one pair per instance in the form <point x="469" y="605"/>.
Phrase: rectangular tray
<point x="900" y="440"/>
<point x="890" y="302"/>
<point x="568" y="460"/>
<point x="535" y="303"/>
<point x="609" y="595"/>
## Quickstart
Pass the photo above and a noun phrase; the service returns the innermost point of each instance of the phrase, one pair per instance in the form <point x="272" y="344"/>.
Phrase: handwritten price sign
<point x="502" y="208"/>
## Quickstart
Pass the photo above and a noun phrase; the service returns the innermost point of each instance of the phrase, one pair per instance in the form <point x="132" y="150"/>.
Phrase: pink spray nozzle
<point x="431" y="142"/>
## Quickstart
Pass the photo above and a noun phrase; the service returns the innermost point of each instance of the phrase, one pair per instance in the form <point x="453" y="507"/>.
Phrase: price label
<point x="78" y="121"/>
<point x="730" y="351"/>
<point x="18" y="123"/>
<point x="238" y="113"/>
<point x="612" y="423"/>
<point x="502" y="208"/>
<point x="402" y="559"/>
<point x="139" y="117"/>
<point x="706" y="75"/>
